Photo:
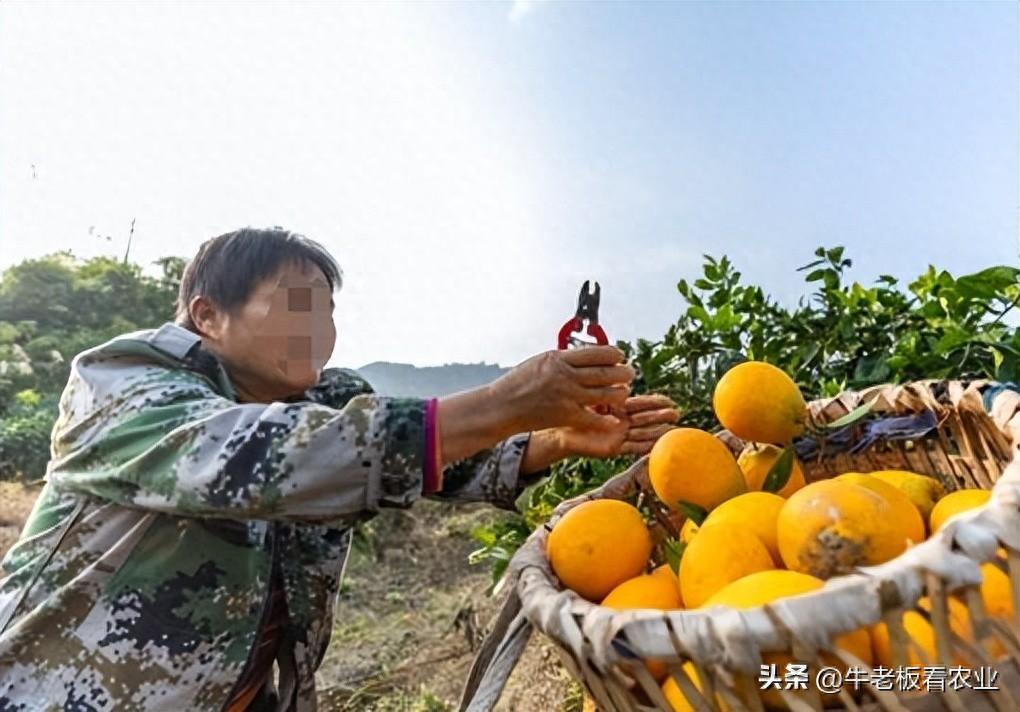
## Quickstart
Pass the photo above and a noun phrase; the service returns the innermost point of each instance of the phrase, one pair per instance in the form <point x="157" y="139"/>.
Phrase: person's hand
<point x="561" y="389"/>
<point x="642" y="421"/>
<point x="649" y="418"/>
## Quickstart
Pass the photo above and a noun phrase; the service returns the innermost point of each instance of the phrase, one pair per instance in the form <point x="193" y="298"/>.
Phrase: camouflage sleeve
<point x="491" y="475"/>
<point x="337" y="386"/>
<point x="163" y="439"/>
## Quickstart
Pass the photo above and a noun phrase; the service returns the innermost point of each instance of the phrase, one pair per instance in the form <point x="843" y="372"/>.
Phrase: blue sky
<point x="763" y="130"/>
<point x="470" y="164"/>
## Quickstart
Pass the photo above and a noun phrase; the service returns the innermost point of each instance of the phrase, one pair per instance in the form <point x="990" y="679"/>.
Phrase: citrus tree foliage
<point x="842" y="335"/>
<point x="52" y="308"/>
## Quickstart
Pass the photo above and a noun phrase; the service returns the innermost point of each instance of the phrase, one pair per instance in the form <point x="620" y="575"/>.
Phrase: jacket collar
<point x="186" y="347"/>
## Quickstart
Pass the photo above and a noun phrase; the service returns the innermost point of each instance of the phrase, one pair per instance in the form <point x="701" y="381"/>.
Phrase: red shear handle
<point x="566" y="330"/>
<point x="600" y="336"/>
<point x="574" y="326"/>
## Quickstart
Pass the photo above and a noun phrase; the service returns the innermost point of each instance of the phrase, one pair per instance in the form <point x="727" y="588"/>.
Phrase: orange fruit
<point x="904" y="510"/>
<point x="921" y="631"/>
<point x="831" y="526"/>
<point x="756" y="460"/>
<point x="667" y="573"/>
<point x="997" y="595"/>
<point x="691" y="465"/>
<point x="688" y="530"/>
<point x="757" y="511"/>
<point x="652" y="590"/>
<point x="955" y="502"/>
<point x="656" y="591"/>
<point x="718" y="555"/>
<point x="923" y="491"/>
<point x="756" y="401"/>
<point x="598" y="545"/>
<point x="996" y="591"/>
<point x="767" y="586"/>
<point x="675" y="696"/>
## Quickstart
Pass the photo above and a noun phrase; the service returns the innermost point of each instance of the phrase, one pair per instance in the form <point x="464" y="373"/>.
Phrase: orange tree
<point x="843" y="335"/>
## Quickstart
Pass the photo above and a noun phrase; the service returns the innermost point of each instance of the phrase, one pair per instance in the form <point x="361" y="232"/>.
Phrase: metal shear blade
<point x="588" y="303"/>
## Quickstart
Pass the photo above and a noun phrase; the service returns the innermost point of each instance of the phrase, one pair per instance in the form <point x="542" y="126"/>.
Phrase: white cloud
<point x="521" y="8"/>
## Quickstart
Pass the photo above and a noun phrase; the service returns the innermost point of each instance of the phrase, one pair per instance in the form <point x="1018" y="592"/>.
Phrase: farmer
<point x="206" y="476"/>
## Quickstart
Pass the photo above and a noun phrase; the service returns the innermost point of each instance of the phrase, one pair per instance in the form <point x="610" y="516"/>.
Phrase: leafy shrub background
<point x="842" y="335"/>
<point x="51" y="309"/>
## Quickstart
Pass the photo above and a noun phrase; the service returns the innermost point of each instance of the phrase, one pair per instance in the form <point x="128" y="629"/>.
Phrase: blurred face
<point x="277" y="343"/>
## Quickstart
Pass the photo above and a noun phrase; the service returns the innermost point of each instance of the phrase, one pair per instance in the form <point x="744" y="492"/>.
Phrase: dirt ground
<point x="16" y="502"/>
<point x="411" y="614"/>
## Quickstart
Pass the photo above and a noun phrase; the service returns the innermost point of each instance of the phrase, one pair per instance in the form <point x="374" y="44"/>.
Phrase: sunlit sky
<point x="470" y="164"/>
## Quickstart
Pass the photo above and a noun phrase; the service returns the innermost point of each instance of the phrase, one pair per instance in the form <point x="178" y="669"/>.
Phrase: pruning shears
<point x="587" y="310"/>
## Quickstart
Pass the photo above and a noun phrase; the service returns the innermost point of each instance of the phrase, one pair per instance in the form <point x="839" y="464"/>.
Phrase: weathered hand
<point x="650" y="417"/>
<point x="562" y="388"/>
<point x="556" y="389"/>
<point x="594" y="442"/>
<point x="641" y="421"/>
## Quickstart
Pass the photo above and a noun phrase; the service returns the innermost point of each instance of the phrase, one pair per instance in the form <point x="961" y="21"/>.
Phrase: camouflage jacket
<point x="140" y="580"/>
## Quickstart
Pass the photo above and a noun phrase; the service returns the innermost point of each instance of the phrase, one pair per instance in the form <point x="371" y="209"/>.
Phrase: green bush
<point x="51" y="309"/>
<point x="25" y="436"/>
<point x="844" y="335"/>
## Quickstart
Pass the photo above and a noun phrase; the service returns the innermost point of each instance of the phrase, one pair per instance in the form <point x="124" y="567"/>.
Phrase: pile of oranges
<point x="753" y="546"/>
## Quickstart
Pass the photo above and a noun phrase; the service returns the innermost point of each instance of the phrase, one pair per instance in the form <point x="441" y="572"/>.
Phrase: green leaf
<point x="693" y="512"/>
<point x="28" y="398"/>
<point x="674" y="549"/>
<point x="809" y="265"/>
<point x="727" y="360"/>
<point x="997" y="359"/>
<point x="699" y="313"/>
<point x="1007" y="348"/>
<point x="988" y="283"/>
<point x="725" y="318"/>
<point x="871" y="370"/>
<point x="498" y="569"/>
<point x="852" y="417"/>
<point x="808" y="352"/>
<point x="486" y="536"/>
<point x="661" y="357"/>
<point x="779" y="473"/>
<point x="953" y="338"/>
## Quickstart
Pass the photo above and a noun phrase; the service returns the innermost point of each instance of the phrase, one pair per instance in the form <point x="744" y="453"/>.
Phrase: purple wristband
<point x="433" y="473"/>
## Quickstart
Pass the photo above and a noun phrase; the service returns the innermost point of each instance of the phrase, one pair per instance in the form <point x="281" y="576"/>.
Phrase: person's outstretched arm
<point x="500" y="474"/>
<point x="153" y="437"/>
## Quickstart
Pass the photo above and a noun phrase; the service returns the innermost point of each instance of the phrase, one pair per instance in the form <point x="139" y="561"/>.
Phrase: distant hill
<point x="402" y="379"/>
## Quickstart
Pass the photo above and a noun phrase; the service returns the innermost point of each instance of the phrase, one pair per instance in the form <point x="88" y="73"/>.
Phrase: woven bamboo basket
<point x="966" y="434"/>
